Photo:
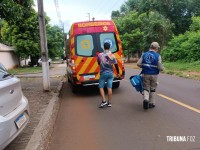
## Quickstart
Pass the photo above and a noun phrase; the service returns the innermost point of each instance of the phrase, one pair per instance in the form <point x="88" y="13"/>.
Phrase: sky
<point x="79" y="10"/>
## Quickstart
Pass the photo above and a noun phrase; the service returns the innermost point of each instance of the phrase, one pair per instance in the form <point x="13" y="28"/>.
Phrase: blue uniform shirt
<point x="150" y="63"/>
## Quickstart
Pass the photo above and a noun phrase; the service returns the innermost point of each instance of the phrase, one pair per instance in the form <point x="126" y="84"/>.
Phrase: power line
<point x="107" y="10"/>
<point x="104" y="8"/>
<point x="58" y="13"/>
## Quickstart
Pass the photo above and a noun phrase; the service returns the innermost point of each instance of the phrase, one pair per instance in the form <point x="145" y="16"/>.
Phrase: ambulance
<point x="85" y="41"/>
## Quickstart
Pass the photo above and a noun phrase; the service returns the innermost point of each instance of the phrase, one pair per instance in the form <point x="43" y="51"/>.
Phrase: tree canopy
<point x="185" y="47"/>
<point x="24" y="36"/>
<point x="14" y="10"/>
<point x="55" y="41"/>
<point x="22" y="32"/>
<point x="172" y="23"/>
<point x="178" y="12"/>
<point x="138" y="30"/>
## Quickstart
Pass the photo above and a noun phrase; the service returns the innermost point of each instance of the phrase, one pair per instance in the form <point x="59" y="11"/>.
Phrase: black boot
<point x="145" y="104"/>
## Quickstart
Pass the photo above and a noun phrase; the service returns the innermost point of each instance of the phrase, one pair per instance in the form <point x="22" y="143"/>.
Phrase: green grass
<point x="183" y="66"/>
<point x="183" y="69"/>
<point x="25" y="70"/>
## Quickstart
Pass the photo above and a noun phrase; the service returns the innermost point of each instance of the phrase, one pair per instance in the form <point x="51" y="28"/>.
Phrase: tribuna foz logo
<point x="180" y="138"/>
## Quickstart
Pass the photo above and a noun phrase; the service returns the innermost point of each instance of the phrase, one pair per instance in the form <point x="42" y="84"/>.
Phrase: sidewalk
<point x="43" y="109"/>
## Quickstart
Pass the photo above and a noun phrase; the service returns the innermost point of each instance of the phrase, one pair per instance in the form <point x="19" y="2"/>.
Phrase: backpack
<point x="137" y="82"/>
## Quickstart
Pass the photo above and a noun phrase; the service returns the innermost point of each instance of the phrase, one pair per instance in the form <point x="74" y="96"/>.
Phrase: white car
<point x="40" y="61"/>
<point x="14" y="108"/>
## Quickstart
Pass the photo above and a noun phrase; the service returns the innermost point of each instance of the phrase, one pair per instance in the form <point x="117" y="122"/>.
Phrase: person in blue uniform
<point x="151" y="64"/>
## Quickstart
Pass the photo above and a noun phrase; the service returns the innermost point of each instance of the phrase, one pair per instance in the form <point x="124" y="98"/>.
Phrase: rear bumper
<point x="97" y="83"/>
<point x="94" y="82"/>
<point x="8" y="128"/>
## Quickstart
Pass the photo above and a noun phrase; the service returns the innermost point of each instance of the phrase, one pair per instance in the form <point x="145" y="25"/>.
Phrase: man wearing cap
<point x="106" y="59"/>
<point x="151" y="65"/>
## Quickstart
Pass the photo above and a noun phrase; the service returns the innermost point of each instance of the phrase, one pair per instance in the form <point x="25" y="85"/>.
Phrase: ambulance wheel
<point x="74" y="88"/>
<point x="68" y="79"/>
<point x="116" y="85"/>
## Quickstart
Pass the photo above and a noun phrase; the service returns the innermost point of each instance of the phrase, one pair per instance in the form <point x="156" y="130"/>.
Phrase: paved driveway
<point x="32" y="86"/>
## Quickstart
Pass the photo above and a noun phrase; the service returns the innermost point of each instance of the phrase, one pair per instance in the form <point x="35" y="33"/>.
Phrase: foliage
<point x="24" y="36"/>
<point x="156" y="28"/>
<point x="55" y="41"/>
<point x="185" y="47"/>
<point x="115" y="14"/>
<point x="138" y="31"/>
<point x="178" y="12"/>
<point x="15" y="10"/>
<point x="195" y="26"/>
<point x="130" y="31"/>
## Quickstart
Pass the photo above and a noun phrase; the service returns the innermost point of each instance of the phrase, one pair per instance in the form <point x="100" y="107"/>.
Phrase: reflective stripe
<point x="148" y="65"/>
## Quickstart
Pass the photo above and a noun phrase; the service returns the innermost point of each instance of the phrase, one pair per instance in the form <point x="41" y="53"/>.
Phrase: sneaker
<point x="151" y="105"/>
<point x="103" y="103"/>
<point x="145" y="104"/>
<point x="109" y="104"/>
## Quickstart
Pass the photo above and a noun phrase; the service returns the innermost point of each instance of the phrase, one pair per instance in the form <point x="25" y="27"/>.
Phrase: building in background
<point x="8" y="57"/>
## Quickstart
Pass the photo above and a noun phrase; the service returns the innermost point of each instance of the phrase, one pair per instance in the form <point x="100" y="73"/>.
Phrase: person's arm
<point x="160" y="65"/>
<point x="139" y="62"/>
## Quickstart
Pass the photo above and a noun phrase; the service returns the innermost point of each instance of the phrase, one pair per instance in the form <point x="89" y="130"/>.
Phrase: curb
<point x="34" y="76"/>
<point x="42" y="133"/>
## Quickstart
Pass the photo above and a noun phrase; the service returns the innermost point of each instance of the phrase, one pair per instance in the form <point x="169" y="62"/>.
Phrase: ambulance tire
<point x="116" y="85"/>
<point x="68" y="80"/>
<point x="74" y="88"/>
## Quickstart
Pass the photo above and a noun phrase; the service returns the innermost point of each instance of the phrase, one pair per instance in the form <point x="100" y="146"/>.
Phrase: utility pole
<point x="43" y="44"/>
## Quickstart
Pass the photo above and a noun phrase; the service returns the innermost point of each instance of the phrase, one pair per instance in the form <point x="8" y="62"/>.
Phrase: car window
<point x="3" y="73"/>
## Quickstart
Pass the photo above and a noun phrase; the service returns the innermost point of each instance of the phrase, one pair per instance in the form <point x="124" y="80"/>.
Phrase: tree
<point x="130" y="31"/>
<point x="195" y="26"/>
<point x="178" y="12"/>
<point x="156" y="28"/>
<point x="115" y="14"/>
<point x="14" y="10"/>
<point x="24" y="36"/>
<point x="184" y="47"/>
<point x="55" y="41"/>
<point x="137" y="31"/>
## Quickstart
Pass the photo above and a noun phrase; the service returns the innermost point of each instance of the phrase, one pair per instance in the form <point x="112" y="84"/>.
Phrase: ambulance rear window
<point x="87" y="45"/>
<point x="84" y="45"/>
<point x="110" y="38"/>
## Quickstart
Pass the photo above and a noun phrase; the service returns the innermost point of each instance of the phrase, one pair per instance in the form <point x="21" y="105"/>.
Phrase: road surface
<point x="174" y="124"/>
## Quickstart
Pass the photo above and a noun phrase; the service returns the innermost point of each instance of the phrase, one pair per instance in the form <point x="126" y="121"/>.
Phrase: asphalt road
<point x="174" y="124"/>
